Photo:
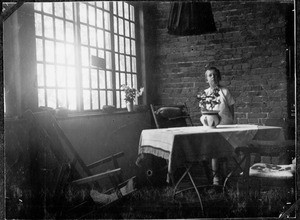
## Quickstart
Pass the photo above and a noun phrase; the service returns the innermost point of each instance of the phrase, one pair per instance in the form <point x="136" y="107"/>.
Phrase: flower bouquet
<point x="130" y="95"/>
<point x="208" y="101"/>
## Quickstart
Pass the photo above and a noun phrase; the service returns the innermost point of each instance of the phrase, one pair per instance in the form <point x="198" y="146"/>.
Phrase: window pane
<point x="102" y="98"/>
<point x="69" y="32"/>
<point x="133" y="65"/>
<point x="121" y="32"/>
<point x="58" y="8"/>
<point x="95" y="101"/>
<point x="116" y="43"/>
<point x="108" y="60"/>
<point x="86" y="100"/>
<point x="110" y="98"/>
<point x="48" y="22"/>
<point x="132" y="13"/>
<point x="51" y="98"/>
<point x="99" y="4"/>
<point x="109" y="80"/>
<point x="121" y="39"/>
<point x="99" y="18"/>
<point x="94" y="78"/>
<point x="41" y="97"/>
<point x="69" y="10"/>
<point x="85" y="78"/>
<point x="72" y="99"/>
<point x="127" y="28"/>
<point x="115" y="7"/>
<point x="84" y="56"/>
<point x="122" y="63"/>
<point x="49" y="51"/>
<point x="83" y="16"/>
<point x="70" y="54"/>
<point x="93" y="52"/>
<point x="38" y="6"/>
<point x="107" y="40"/>
<point x="101" y="79"/>
<point x="128" y="80"/>
<point x="126" y="10"/>
<point x="106" y="21"/>
<point x="120" y="9"/>
<point x="133" y="47"/>
<point x="123" y="103"/>
<point x="60" y="53"/>
<point x="61" y="76"/>
<point x="115" y="24"/>
<point x="128" y="68"/>
<point x="38" y="24"/>
<point x="59" y="29"/>
<point x="134" y="79"/>
<point x="47" y="7"/>
<point x="62" y="98"/>
<point x="92" y="36"/>
<point x="123" y="79"/>
<point x="40" y="75"/>
<point x="132" y="30"/>
<point x="50" y="76"/>
<point x="106" y="5"/>
<point x="100" y="38"/>
<point x="127" y="45"/>
<point x="39" y="50"/>
<point x="71" y="77"/>
<point x="91" y="14"/>
<point x="101" y="54"/>
<point x="116" y="61"/>
<point x="84" y="34"/>
<point x="118" y="99"/>
<point x="117" y="80"/>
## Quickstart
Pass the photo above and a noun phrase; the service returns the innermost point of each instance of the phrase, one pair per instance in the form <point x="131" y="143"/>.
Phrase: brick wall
<point x="249" y="48"/>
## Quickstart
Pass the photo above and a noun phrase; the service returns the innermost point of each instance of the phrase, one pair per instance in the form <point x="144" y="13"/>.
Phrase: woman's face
<point x="212" y="78"/>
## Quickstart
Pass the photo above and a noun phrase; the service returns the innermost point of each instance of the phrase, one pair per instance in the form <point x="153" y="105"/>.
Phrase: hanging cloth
<point x="191" y="18"/>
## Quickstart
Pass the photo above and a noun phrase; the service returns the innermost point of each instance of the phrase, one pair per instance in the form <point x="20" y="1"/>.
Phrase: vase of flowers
<point x="130" y="95"/>
<point x="210" y="118"/>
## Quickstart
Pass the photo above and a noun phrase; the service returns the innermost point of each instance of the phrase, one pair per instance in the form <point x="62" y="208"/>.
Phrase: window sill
<point x="97" y="114"/>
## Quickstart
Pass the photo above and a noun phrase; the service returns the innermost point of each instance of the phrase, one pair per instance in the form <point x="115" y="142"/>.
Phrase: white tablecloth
<point x="192" y="144"/>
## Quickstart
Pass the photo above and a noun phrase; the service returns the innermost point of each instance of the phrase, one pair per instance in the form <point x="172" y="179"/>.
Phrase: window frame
<point x="78" y="53"/>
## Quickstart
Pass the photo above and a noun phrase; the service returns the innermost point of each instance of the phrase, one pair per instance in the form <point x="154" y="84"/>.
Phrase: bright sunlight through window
<point x="85" y="51"/>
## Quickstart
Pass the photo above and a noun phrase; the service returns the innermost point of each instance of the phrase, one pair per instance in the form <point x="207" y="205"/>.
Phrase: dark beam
<point x="12" y="9"/>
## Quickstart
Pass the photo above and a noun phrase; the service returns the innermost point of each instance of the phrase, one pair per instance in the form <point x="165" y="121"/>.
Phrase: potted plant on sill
<point x="130" y="95"/>
<point x="207" y="102"/>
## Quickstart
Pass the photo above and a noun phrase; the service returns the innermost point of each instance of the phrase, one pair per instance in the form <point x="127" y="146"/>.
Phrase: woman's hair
<point x="217" y="71"/>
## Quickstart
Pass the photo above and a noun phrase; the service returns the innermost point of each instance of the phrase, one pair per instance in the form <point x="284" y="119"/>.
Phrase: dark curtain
<point x="191" y="18"/>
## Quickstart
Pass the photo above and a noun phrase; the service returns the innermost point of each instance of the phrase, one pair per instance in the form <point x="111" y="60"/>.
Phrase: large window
<point x="85" y="51"/>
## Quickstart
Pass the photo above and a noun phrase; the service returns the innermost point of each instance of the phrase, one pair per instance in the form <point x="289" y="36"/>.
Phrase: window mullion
<point x="78" y="64"/>
<point x="113" y="68"/>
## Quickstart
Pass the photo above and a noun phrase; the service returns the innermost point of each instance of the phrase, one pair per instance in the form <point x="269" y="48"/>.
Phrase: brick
<point x="257" y="115"/>
<point x="242" y="121"/>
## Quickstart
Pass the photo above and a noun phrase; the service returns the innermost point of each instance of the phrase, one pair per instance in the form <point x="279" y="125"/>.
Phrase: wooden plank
<point x="97" y="176"/>
<point x="55" y="147"/>
<point x="105" y="160"/>
<point x="56" y="128"/>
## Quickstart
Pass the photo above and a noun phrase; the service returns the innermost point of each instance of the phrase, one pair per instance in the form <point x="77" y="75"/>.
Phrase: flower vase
<point x="129" y="106"/>
<point x="210" y="118"/>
